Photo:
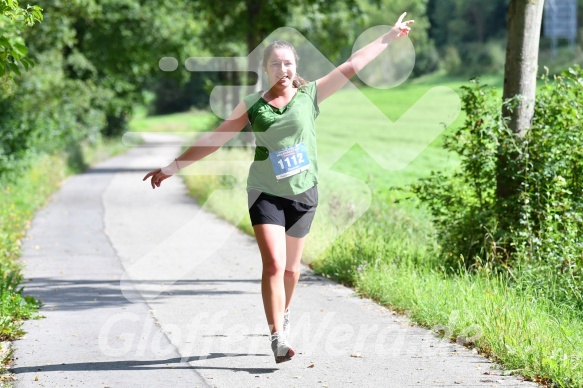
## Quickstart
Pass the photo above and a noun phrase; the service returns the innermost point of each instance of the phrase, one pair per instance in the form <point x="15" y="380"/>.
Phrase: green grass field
<point x="370" y="235"/>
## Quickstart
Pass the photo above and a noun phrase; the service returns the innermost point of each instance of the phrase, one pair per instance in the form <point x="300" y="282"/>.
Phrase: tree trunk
<point x="520" y="71"/>
<point x="524" y="25"/>
<point x="254" y="38"/>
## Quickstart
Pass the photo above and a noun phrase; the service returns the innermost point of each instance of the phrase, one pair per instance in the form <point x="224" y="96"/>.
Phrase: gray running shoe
<point x="281" y="348"/>
<point x="286" y="326"/>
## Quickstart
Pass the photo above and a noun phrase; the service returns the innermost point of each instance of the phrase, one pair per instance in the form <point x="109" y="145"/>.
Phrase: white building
<point x="560" y="21"/>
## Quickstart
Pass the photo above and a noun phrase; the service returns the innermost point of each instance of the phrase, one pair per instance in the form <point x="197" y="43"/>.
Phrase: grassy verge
<point x="388" y="253"/>
<point x="392" y="261"/>
<point x="526" y="334"/>
<point x="19" y="199"/>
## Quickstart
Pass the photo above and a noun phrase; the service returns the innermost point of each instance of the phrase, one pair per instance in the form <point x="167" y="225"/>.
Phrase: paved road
<point x="143" y="288"/>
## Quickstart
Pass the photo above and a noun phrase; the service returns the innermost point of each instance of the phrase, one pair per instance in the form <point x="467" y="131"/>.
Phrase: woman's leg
<point x="294" y="249"/>
<point x="272" y="245"/>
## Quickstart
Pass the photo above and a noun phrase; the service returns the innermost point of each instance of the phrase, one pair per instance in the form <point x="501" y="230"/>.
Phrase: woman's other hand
<point x="157" y="177"/>
<point x="401" y="28"/>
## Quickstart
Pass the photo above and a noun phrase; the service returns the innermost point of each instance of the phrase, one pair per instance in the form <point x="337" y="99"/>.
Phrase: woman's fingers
<point x="401" y="17"/>
<point x="151" y="173"/>
<point x="402" y="26"/>
<point x="163" y="178"/>
<point x="157" y="178"/>
<point x="400" y="20"/>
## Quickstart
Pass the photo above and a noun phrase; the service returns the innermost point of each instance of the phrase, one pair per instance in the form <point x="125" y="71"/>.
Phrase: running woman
<point x="282" y="182"/>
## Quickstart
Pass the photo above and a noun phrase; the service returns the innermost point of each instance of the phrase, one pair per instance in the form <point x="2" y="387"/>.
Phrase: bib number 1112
<point x="290" y="161"/>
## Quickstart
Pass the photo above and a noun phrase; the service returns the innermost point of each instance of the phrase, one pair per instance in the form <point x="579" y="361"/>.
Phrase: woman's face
<point x="281" y="67"/>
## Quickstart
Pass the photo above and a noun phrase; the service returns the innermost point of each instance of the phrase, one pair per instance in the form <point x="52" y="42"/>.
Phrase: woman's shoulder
<point x="308" y="86"/>
<point x="310" y="89"/>
<point x="254" y="104"/>
<point x="252" y="99"/>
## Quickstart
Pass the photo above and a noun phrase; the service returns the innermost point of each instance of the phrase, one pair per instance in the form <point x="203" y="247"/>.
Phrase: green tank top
<point x="285" y="160"/>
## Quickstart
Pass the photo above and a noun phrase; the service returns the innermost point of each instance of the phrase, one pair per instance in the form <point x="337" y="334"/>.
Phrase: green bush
<point x="462" y="203"/>
<point x="536" y="231"/>
<point x="46" y="113"/>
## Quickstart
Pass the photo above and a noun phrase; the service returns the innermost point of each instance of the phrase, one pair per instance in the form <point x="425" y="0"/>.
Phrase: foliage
<point x="72" y="111"/>
<point x="545" y="243"/>
<point x="549" y="241"/>
<point x="333" y="30"/>
<point x="111" y="44"/>
<point x="474" y="59"/>
<point x="474" y="31"/>
<point x="459" y="21"/>
<point x="13" y="19"/>
<point x="385" y="11"/>
<point x="94" y="60"/>
<point x="14" y="306"/>
<point x="462" y="204"/>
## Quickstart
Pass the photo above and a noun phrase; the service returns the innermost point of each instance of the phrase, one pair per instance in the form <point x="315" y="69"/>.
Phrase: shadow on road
<point x="170" y="363"/>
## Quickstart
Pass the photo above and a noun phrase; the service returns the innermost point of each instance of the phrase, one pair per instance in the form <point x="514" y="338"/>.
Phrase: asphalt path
<point x="142" y="287"/>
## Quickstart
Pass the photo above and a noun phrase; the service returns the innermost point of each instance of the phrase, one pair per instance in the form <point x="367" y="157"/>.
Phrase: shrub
<point x="535" y="231"/>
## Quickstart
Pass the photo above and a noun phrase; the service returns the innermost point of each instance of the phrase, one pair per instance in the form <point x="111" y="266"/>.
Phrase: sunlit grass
<point x="192" y="121"/>
<point x="527" y="334"/>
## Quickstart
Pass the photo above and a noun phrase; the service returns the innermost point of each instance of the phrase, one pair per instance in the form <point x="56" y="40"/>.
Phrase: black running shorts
<point x="295" y="212"/>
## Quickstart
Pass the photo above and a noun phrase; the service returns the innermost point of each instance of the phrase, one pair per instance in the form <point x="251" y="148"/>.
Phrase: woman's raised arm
<point x="333" y="81"/>
<point x="204" y="146"/>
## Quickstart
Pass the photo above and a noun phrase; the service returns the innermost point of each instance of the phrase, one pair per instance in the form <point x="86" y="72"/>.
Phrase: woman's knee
<point x="273" y="268"/>
<point x="291" y="273"/>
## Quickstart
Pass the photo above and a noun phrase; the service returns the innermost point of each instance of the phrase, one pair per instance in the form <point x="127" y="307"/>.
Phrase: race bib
<point x="290" y="161"/>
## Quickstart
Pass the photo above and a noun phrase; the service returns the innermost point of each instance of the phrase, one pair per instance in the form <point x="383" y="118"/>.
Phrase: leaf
<point x="21" y="48"/>
<point x="16" y="55"/>
<point x="29" y="62"/>
<point x="2" y="69"/>
<point x="25" y="63"/>
<point x="14" y="69"/>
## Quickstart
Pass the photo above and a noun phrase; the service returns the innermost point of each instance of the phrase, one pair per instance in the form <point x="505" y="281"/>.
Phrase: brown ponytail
<point x="299" y="81"/>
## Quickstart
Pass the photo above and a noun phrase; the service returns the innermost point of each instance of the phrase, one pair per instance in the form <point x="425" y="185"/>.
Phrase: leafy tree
<point x="94" y="60"/>
<point x="381" y="12"/>
<point x="115" y="45"/>
<point x="249" y="22"/>
<point x="12" y="49"/>
<point x="461" y="21"/>
<point x="538" y="235"/>
<point x="469" y="34"/>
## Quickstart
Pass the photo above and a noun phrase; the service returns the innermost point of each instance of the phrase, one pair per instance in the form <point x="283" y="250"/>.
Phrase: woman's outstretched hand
<point x="157" y="177"/>
<point x="401" y="28"/>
